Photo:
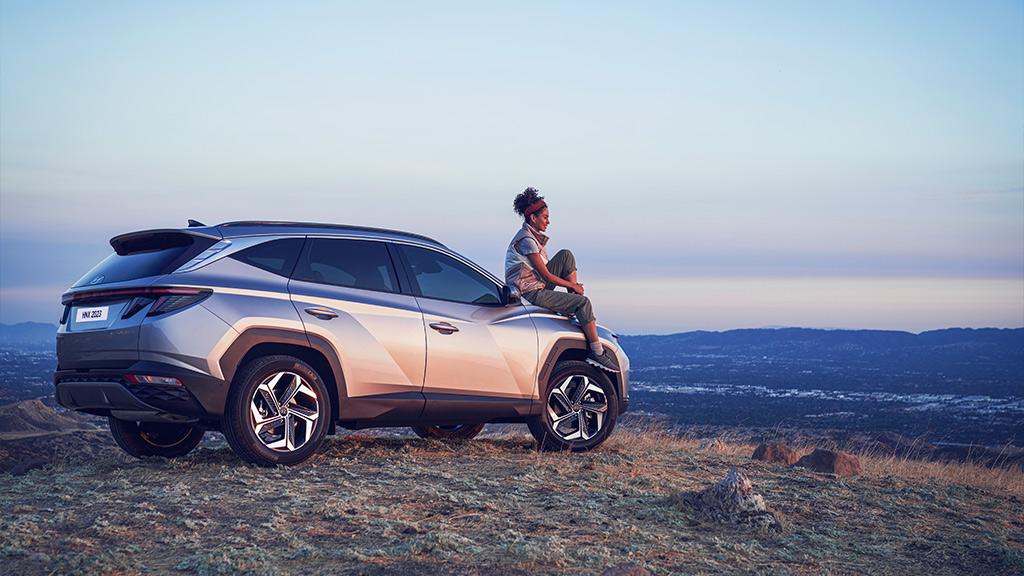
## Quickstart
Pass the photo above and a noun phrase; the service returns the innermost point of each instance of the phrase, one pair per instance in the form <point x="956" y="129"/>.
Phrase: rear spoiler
<point x="158" y="238"/>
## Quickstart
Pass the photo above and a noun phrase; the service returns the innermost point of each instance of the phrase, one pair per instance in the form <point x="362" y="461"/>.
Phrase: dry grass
<point x="875" y="462"/>
<point x="400" y="505"/>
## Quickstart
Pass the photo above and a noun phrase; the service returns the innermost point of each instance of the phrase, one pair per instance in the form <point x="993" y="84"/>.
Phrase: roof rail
<point x="326" y="225"/>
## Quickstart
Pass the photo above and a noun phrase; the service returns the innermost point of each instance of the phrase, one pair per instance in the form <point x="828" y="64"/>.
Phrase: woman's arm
<point x="547" y="276"/>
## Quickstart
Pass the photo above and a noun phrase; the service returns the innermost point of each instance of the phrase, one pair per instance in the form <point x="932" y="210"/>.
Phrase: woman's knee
<point x="566" y="255"/>
<point x="562" y="264"/>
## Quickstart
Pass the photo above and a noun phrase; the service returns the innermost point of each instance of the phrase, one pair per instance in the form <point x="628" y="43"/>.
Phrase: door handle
<point x="321" y="313"/>
<point x="444" y="327"/>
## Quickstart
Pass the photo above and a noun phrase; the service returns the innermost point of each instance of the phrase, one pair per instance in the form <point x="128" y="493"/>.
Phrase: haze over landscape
<point x="850" y="165"/>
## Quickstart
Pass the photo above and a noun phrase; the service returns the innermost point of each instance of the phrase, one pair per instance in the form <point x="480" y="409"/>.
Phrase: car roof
<point x="254" y="227"/>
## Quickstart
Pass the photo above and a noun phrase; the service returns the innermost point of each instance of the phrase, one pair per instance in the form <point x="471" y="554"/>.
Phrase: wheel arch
<point x="572" y="349"/>
<point x="311" y="349"/>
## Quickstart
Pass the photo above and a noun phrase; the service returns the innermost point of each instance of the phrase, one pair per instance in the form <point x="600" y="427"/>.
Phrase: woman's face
<point x="540" y="220"/>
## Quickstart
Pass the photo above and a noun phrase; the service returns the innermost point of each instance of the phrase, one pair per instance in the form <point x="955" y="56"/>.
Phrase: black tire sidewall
<point x="238" y="429"/>
<point x="540" y="426"/>
<point x="128" y="435"/>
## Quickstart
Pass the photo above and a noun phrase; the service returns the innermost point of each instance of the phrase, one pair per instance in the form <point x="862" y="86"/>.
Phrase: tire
<point x="143" y="439"/>
<point x="451" y="433"/>
<point x="288" y="395"/>
<point x="579" y="433"/>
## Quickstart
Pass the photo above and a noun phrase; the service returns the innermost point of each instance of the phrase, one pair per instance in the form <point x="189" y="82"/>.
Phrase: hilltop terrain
<point x="383" y="504"/>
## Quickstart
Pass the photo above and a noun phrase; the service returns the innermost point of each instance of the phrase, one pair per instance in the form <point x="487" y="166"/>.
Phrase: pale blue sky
<point x="854" y="164"/>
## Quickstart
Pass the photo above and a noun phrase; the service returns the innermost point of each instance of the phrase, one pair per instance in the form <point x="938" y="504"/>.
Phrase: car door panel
<point x="380" y="342"/>
<point x="481" y="358"/>
<point x="492" y="355"/>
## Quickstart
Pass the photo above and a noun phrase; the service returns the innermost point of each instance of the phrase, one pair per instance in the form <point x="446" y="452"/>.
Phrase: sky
<point x="712" y="165"/>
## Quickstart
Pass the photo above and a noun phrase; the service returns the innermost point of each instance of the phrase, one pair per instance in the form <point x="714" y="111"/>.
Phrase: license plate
<point x="92" y="314"/>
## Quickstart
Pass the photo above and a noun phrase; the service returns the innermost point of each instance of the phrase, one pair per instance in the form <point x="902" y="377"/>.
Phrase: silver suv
<point x="275" y="333"/>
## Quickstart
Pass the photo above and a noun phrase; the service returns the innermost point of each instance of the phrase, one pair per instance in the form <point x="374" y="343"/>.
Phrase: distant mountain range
<point x="952" y="360"/>
<point x="28" y="333"/>
<point x="1008" y="340"/>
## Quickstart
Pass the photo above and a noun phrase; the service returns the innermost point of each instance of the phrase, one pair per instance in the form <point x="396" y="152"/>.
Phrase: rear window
<point x="277" y="256"/>
<point x="154" y="257"/>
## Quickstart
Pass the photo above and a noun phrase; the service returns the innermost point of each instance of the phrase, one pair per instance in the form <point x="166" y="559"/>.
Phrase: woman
<point x="528" y="269"/>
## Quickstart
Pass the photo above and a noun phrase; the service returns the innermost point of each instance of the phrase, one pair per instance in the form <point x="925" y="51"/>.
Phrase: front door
<point x="347" y="292"/>
<point x="481" y="355"/>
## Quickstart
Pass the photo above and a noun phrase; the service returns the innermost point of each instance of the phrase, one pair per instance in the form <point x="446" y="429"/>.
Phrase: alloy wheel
<point x="577" y="408"/>
<point x="284" y="409"/>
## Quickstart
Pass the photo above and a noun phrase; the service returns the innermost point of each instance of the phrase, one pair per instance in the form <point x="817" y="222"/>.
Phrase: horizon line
<point x="769" y="327"/>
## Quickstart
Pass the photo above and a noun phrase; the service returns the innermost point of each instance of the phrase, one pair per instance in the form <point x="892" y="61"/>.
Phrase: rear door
<point x="347" y="292"/>
<point x="481" y="354"/>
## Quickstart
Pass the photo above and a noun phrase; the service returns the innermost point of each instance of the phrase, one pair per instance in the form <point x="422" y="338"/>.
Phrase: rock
<point x="625" y="570"/>
<point x="776" y="453"/>
<point x="828" y="462"/>
<point x="733" y="501"/>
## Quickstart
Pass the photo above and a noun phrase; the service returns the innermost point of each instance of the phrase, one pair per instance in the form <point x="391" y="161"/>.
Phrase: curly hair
<point x="524" y="199"/>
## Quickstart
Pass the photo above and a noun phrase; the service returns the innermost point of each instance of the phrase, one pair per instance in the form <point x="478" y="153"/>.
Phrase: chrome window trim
<point x="437" y="249"/>
<point x="229" y="246"/>
<point x="238" y="243"/>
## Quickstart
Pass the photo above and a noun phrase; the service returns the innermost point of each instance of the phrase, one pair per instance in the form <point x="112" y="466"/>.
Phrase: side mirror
<point x="509" y="296"/>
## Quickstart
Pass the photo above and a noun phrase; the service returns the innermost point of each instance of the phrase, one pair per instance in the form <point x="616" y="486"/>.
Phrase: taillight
<point x="171" y="302"/>
<point x="164" y="299"/>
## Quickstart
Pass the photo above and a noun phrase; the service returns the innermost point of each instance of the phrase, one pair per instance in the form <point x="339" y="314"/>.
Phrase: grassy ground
<point x="381" y="505"/>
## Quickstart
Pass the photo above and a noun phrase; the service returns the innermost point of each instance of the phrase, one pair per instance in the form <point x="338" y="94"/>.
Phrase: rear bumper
<point x="107" y="392"/>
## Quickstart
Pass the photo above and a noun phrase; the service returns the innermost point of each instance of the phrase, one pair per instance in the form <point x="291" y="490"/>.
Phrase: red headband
<point x="538" y="205"/>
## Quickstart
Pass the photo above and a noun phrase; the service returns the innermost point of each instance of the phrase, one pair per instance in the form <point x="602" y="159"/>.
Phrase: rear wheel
<point x="580" y="409"/>
<point x="452" y="432"/>
<point x="278" y="411"/>
<point x="167" y="439"/>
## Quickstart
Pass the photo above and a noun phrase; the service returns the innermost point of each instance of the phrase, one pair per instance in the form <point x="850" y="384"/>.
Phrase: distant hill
<point x="826" y="339"/>
<point x="27" y="333"/>
<point x="955" y="349"/>
<point x="33" y="417"/>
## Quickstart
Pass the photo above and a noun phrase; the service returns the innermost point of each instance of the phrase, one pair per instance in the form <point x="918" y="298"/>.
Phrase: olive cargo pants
<point x="562" y="264"/>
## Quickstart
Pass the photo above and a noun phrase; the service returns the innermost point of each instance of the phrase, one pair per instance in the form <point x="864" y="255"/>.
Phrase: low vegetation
<point x="383" y="504"/>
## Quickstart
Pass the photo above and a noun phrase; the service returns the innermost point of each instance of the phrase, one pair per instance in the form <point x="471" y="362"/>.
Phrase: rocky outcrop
<point x="732" y="501"/>
<point x="776" y="453"/>
<point x="829" y="462"/>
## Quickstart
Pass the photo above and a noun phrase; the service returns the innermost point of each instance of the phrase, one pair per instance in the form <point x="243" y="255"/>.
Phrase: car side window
<point x="440" y="276"/>
<point x="363" y="264"/>
<point x="277" y="256"/>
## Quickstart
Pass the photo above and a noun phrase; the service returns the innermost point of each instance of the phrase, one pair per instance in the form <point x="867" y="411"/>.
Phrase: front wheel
<point x="580" y="409"/>
<point x="450" y="433"/>
<point x="167" y="439"/>
<point x="278" y="411"/>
